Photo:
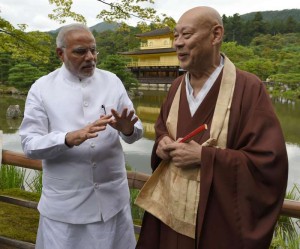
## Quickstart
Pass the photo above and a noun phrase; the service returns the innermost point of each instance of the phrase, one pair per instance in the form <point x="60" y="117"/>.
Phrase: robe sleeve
<point x="160" y="125"/>
<point x="243" y="186"/>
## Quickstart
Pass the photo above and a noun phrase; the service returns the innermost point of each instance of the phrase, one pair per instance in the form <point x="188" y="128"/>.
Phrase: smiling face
<point x="79" y="54"/>
<point x="198" y="36"/>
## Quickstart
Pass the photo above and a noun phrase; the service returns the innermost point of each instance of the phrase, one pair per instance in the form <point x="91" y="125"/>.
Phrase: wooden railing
<point x="136" y="180"/>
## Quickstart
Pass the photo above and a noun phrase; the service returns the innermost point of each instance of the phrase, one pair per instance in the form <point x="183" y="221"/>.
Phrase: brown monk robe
<point x="242" y="187"/>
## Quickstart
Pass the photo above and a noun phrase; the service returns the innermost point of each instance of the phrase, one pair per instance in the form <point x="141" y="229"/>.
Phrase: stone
<point x="13" y="111"/>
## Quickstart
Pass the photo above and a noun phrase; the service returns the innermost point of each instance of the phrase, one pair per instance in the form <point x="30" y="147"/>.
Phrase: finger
<point x="167" y="140"/>
<point x="124" y="113"/>
<point x="97" y="129"/>
<point x="102" y="121"/>
<point x="130" y="115"/>
<point x="115" y="114"/>
<point x="104" y="117"/>
<point x="133" y="121"/>
<point x="169" y="147"/>
<point x="91" y="135"/>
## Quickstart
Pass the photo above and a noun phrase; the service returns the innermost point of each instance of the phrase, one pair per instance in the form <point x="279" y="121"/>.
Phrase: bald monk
<point x="241" y="158"/>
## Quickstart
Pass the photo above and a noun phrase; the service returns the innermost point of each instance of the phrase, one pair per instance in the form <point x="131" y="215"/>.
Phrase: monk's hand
<point x="90" y="131"/>
<point x="123" y="122"/>
<point x="185" y="155"/>
<point x="160" y="150"/>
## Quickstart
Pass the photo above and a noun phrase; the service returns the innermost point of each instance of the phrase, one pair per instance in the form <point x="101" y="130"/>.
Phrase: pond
<point x="147" y="107"/>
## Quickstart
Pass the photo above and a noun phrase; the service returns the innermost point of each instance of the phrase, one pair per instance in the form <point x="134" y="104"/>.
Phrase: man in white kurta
<point x="85" y="196"/>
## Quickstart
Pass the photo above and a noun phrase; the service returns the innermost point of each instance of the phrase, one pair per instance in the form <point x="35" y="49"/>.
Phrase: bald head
<point x="203" y="16"/>
<point x="197" y="38"/>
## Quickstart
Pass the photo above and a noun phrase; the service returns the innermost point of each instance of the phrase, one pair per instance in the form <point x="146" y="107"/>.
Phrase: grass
<point x="21" y="223"/>
<point x="286" y="234"/>
<point x="11" y="177"/>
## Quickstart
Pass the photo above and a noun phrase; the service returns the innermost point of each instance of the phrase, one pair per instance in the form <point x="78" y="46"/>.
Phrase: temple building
<point x="155" y="62"/>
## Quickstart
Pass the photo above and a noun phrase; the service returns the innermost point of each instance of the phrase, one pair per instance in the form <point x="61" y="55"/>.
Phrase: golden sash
<point x="172" y="194"/>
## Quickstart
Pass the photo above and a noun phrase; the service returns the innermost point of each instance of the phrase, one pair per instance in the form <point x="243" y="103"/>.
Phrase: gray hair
<point x="60" y="39"/>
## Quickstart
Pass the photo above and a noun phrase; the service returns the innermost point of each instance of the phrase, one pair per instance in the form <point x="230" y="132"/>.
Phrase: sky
<point x="34" y="13"/>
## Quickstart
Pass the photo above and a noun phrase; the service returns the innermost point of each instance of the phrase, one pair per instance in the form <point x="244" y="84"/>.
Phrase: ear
<point x="218" y="32"/>
<point x="60" y="53"/>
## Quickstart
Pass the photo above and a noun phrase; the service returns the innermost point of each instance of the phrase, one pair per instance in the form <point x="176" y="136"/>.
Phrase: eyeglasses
<point x="81" y="52"/>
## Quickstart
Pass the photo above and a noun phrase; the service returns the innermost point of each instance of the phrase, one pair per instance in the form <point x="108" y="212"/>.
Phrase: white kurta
<point x="86" y="183"/>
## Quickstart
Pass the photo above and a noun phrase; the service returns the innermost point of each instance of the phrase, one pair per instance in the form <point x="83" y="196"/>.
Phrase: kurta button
<point x="96" y="185"/>
<point x="85" y="103"/>
<point x="92" y="145"/>
<point x="94" y="165"/>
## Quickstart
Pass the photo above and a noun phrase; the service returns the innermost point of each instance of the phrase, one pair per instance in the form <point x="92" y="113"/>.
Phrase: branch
<point x="113" y="6"/>
<point x="19" y="38"/>
<point x="14" y="35"/>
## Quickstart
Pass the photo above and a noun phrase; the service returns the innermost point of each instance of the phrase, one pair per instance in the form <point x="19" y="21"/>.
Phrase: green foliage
<point x="118" y="11"/>
<point x="32" y="46"/>
<point x="63" y="11"/>
<point x="111" y="42"/>
<point x="10" y="126"/>
<point x="244" y="28"/>
<point x="23" y="75"/>
<point x="258" y="25"/>
<point x="258" y="44"/>
<point x="117" y="64"/>
<point x="136" y="211"/>
<point x="271" y="16"/>
<point x="286" y="232"/>
<point x="277" y="47"/>
<point x="237" y="53"/>
<point x="234" y="26"/>
<point x="291" y="79"/>
<point x="35" y="185"/>
<point x="260" y="67"/>
<point x="16" y="222"/>
<point x="5" y="65"/>
<point x="11" y="177"/>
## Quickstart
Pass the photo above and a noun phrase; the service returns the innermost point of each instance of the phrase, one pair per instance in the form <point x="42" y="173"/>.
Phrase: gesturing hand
<point x="90" y="131"/>
<point x="123" y="123"/>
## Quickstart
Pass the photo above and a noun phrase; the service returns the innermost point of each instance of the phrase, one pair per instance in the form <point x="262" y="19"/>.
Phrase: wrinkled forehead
<point x="192" y="21"/>
<point x="79" y="37"/>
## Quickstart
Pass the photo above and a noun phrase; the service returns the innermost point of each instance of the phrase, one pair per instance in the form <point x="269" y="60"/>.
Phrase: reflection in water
<point x="8" y="125"/>
<point x="149" y="131"/>
<point x="147" y="107"/>
<point x="294" y="163"/>
<point x="13" y="124"/>
<point x="138" y="156"/>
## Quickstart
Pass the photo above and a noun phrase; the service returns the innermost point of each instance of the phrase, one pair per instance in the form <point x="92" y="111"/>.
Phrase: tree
<point x="111" y="42"/>
<point x="32" y="46"/>
<point x="5" y="65"/>
<point x="117" y="64"/>
<point x="258" y="25"/>
<point x="23" y="75"/>
<point x="233" y="28"/>
<point x="290" y="25"/>
<point x="237" y="53"/>
<point x="263" y="68"/>
<point x="119" y="11"/>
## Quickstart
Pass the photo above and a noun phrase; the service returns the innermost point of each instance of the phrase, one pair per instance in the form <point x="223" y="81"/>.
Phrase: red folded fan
<point x="193" y="133"/>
